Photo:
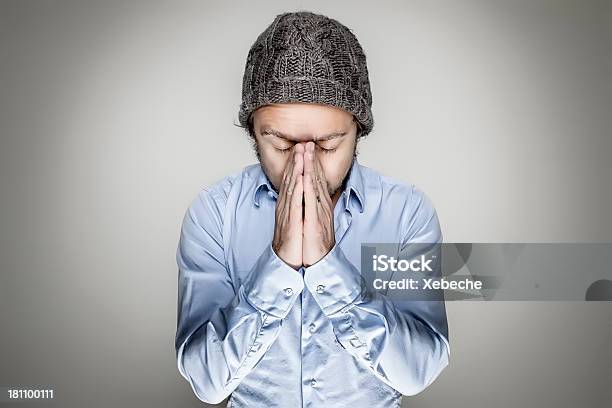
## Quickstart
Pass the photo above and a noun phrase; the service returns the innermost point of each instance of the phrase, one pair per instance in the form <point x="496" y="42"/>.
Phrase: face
<point x="278" y="127"/>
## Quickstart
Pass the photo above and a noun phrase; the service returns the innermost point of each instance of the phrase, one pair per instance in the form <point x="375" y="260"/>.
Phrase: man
<point x="271" y="309"/>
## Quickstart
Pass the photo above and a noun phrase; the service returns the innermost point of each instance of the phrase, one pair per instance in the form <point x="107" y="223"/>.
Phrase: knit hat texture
<point x="310" y="58"/>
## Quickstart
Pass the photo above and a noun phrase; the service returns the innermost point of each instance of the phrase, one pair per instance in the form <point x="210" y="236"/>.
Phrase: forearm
<point x="404" y="343"/>
<point x="215" y="355"/>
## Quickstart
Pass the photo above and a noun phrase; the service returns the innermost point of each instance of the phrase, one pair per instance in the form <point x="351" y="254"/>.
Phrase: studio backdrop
<point x="114" y="114"/>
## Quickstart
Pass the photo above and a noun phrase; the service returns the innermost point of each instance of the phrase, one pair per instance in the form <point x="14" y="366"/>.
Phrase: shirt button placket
<point x="304" y="344"/>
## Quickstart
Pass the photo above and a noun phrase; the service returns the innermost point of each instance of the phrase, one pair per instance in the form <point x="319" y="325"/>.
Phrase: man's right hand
<point x="288" y="228"/>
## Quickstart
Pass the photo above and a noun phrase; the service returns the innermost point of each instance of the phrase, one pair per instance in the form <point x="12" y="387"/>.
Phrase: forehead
<point x="302" y="121"/>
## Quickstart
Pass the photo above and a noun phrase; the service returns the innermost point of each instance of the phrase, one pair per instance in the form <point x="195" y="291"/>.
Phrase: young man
<point x="271" y="309"/>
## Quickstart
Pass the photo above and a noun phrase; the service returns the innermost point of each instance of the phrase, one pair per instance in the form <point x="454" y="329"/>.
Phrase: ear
<point x="251" y="127"/>
<point x="359" y="128"/>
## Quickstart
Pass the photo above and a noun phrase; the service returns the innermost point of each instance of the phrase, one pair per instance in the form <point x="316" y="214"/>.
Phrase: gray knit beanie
<point x="311" y="58"/>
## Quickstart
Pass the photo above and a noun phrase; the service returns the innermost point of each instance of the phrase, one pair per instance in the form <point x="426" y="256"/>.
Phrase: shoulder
<point x="418" y="214"/>
<point x="394" y="189"/>
<point x="212" y="199"/>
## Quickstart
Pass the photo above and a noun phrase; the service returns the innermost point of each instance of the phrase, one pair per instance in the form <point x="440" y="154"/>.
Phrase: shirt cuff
<point x="333" y="281"/>
<point x="273" y="286"/>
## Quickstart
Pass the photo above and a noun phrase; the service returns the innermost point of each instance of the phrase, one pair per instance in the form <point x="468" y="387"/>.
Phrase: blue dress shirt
<point x="251" y="326"/>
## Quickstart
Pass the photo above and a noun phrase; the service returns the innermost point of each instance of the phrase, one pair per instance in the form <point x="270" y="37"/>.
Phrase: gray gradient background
<point x="114" y="114"/>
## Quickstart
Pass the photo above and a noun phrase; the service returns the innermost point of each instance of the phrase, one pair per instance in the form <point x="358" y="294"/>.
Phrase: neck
<point x="341" y="189"/>
<point x="336" y="197"/>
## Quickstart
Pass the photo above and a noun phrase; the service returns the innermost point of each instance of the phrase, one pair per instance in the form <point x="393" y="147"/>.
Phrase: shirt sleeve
<point x="403" y="342"/>
<point x="223" y="331"/>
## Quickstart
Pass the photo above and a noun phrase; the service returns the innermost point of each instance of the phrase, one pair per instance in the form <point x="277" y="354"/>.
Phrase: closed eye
<point x="327" y="151"/>
<point x="285" y="151"/>
<point x="324" y="150"/>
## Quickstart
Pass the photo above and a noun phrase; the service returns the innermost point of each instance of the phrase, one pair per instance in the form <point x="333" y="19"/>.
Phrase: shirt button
<point x="270" y="193"/>
<point x="355" y="342"/>
<point x="288" y="292"/>
<point x="254" y="349"/>
<point x="313" y="383"/>
<point x="312" y="327"/>
<point x="320" y="288"/>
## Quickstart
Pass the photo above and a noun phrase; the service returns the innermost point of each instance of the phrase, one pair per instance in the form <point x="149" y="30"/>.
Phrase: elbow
<point x="206" y="391"/>
<point x="205" y="388"/>
<point x="210" y="396"/>
<point x="427" y="374"/>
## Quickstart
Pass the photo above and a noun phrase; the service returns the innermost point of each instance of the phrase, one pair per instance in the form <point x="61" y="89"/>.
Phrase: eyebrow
<point x="328" y="136"/>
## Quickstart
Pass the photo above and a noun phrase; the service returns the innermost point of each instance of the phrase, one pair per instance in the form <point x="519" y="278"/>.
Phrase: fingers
<point x="296" y="200"/>
<point x="284" y="182"/>
<point x="318" y="178"/>
<point x="288" y="235"/>
<point x="310" y="190"/>
<point x="294" y="192"/>
<point x="323" y="200"/>
<point x="321" y="181"/>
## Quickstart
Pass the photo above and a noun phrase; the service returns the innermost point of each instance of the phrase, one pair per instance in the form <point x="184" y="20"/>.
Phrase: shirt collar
<point x="261" y="183"/>
<point x="354" y="184"/>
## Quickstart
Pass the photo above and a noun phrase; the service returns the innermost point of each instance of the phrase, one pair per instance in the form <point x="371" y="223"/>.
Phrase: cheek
<point x="274" y="164"/>
<point x="335" y="166"/>
<point x="331" y="169"/>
